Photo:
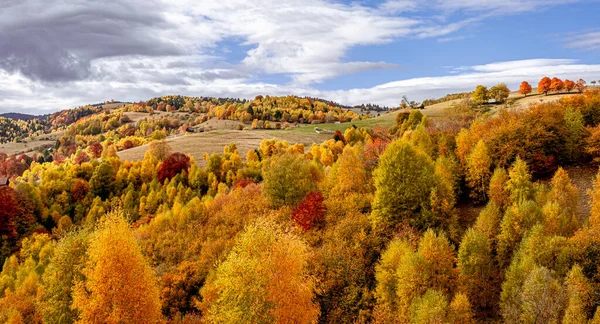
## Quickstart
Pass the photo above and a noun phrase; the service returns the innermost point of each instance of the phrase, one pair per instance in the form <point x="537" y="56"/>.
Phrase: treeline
<point x="448" y="97"/>
<point x="361" y="228"/>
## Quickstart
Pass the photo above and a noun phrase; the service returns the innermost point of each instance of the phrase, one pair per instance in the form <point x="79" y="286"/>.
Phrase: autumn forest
<point x="472" y="215"/>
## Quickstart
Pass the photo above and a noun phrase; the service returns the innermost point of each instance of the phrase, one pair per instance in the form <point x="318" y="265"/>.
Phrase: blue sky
<point x="62" y="55"/>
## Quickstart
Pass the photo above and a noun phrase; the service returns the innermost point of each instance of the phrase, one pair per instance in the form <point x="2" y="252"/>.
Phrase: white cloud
<point x="512" y="73"/>
<point x="136" y="49"/>
<point x="588" y="41"/>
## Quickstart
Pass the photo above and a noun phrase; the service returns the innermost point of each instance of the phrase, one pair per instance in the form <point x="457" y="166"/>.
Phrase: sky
<point x="62" y="54"/>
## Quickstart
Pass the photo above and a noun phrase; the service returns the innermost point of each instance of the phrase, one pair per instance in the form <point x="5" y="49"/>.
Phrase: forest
<point x="369" y="226"/>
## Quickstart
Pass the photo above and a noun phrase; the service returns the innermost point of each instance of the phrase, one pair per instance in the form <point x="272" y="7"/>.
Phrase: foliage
<point x="173" y="165"/>
<point x="480" y="95"/>
<point x="403" y="180"/>
<point x="263" y="280"/>
<point x="525" y="88"/>
<point x="112" y="296"/>
<point x="310" y="211"/>
<point x="287" y="179"/>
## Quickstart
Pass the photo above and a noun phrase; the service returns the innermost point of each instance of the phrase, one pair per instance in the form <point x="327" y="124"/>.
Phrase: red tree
<point x="525" y="88"/>
<point x="310" y="211"/>
<point x="374" y="148"/>
<point x="127" y="145"/>
<point x="544" y="85"/>
<point x="96" y="149"/>
<point x="243" y="183"/>
<point x="556" y="84"/>
<point x="80" y="189"/>
<point x="8" y="211"/>
<point x="174" y="164"/>
<point x="81" y="158"/>
<point x="569" y="85"/>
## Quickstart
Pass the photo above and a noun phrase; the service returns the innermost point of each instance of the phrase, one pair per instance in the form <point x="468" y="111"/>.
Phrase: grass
<point x="213" y="142"/>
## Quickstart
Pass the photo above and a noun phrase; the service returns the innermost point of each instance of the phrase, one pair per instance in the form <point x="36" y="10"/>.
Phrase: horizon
<point x="56" y="57"/>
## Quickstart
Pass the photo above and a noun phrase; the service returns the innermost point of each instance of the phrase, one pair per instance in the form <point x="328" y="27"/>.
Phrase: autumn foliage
<point x="525" y="88"/>
<point x="8" y="210"/>
<point x="310" y="211"/>
<point x="173" y="165"/>
<point x="544" y="85"/>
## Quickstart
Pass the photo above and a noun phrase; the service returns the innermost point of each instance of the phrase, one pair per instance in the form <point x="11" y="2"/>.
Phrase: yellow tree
<point x="263" y="280"/>
<point x="479" y="163"/>
<point x="460" y="310"/>
<point x="497" y="191"/>
<point x="476" y="268"/>
<point x="560" y="213"/>
<point x="119" y="284"/>
<point x="579" y="292"/>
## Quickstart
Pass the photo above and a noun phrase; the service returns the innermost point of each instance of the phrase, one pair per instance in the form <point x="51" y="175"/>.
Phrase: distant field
<point x="31" y="145"/>
<point x="213" y="142"/>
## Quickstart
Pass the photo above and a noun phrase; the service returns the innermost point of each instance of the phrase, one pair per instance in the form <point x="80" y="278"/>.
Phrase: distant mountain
<point x="19" y="116"/>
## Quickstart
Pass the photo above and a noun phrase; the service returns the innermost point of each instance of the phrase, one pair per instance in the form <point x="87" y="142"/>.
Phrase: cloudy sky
<point x="62" y="54"/>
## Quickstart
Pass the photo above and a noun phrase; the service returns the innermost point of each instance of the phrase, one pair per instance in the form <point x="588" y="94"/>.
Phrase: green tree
<point x="287" y="179"/>
<point x="574" y="138"/>
<point x="519" y="183"/>
<point x="430" y="308"/>
<point x="403" y="180"/>
<point x="101" y="183"/>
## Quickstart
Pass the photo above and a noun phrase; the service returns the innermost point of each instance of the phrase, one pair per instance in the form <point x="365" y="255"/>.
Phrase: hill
<point x="20" y="116"/>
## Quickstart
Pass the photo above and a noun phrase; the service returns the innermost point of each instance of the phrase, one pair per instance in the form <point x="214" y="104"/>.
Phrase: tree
<point x="265" y="279"/>
<point x="432" y="307"/>
<point x="403" y="180"/>
<point x="173" y="165"/>
<point x="287" y="179"/>
<point x="498" y="192"/>
<point x="580" y="85"/>
<point x="542" y="297"/>
<point x="480" y="95"/>
<point x="576" y="130"/>
<point x="594" y="220"/>
<point x="81" y="158"/>
<point x="560" y="213"/>
<point x="499" y="92"/>
<point x="160" y="150"/>
<point x="8" y="212"/>
<point x="556" y="84"/>
<point x="310" y="212"/>
<point x="525" y="88"/>
<point x="544" y="85"/>
<point x="63" y="271"/>
<point x="404" y="274"/>
<point x="479" y="164"/>
<point x="568" y="85"/>
<point x="102" y="181"/>
<point x="519" y="183"/>
<point x="579" y="291"/>
<point x="460" y="310"/>
<point x="476" y="268"/>
<point x="96" y="149"/>
<point x="119" y="285"/>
